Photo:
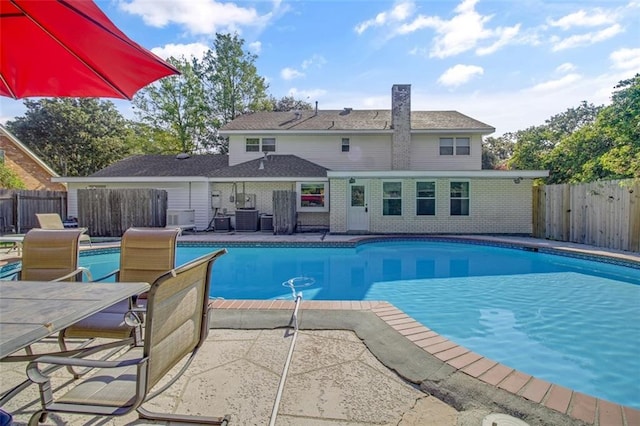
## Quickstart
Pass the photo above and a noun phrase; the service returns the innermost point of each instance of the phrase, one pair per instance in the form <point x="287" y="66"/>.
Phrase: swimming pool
<point x="567" y="320"/>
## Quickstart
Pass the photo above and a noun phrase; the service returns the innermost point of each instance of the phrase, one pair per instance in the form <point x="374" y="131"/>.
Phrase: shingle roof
<point x="274" y="166"/>
<point x="212" y="166"/>
<point x="355" y="120"/>
<point x="165" y="165"/>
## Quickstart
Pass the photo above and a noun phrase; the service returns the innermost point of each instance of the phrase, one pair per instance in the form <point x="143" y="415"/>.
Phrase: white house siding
<point x="496" y="206"/>
<point x="367" y="152"/>
<point x="425" y="154"/>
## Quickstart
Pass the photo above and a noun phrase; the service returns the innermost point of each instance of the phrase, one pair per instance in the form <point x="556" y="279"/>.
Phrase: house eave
<point x="468" y="174"/>
<point x="128" y="179"/>
<point x="104" y="180"/>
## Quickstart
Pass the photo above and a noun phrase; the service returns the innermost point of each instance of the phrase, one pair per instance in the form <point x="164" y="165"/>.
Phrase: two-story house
<point x="360" y="171"/>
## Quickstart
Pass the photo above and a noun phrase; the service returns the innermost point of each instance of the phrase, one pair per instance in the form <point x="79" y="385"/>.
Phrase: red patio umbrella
<point x="70" y="48"/>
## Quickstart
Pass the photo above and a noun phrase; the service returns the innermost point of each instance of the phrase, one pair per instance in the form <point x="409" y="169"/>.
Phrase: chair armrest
<point x="81" y="270"/>
<point x="40" y="377"/>
<point x="110" y="274"/>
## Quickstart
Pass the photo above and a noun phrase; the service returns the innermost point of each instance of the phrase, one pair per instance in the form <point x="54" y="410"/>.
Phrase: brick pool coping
<point x="586" y="408"/>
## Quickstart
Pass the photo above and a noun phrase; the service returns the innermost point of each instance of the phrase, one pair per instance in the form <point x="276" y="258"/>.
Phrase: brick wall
<point x="496" y="206"/>
<point x="30" y="172"/>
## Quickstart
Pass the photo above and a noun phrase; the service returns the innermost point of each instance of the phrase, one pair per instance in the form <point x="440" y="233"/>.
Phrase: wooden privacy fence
<point x="18" y="208"/>
<point x="603" y="214"/>
<point x="109" y="212"/>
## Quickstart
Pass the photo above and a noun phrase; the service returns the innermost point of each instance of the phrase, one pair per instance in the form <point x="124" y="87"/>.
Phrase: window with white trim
<point x="252" y="145"/>
<point x="345" y="145"/>
<point x="392" y="198"/>
<point x="312" y="197"/>
<point x="459" y="199"/>
<point x="268" y="144"/>
<point x="425" y="198"/>
<point x="1" y="156"/>
<point x="455" y="146"/>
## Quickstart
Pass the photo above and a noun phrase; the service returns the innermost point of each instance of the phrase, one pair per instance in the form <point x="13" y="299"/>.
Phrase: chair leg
<point x="182" y="418"/>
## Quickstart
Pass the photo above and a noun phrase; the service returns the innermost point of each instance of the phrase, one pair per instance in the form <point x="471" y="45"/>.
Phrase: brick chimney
<point x="401" y="124"/>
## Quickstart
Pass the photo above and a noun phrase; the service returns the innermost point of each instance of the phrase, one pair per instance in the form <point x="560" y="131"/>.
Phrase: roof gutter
<point x="486" y="174"/>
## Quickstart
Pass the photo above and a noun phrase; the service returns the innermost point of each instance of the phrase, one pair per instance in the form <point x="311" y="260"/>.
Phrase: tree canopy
<point x="582" y="144"/>
<point x="75" y="137"/>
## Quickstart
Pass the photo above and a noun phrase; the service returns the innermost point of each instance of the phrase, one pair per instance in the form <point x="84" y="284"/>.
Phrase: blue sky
<point x="510" y="64"/>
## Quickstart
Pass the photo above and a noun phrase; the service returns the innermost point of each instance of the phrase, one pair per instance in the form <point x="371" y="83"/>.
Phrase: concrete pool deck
<point x="355" y="363"/>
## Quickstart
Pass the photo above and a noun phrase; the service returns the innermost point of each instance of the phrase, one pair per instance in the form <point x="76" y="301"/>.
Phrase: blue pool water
<point x="569" y="321"/>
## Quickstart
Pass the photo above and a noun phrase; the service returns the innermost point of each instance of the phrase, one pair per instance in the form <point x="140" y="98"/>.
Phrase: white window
<point x="268" y="144"/>
<point x="253" y="145"/>
<point x="455" y="146"/>
<point x="425" y="198"/>
<point x="392" y="198"/>
<point x="345" y="144"/>
<point x="313" y="197"/>
<point x="459" y="199"/>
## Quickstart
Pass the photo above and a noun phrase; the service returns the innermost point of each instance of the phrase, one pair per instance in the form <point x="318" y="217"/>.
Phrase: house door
<point x="358" y="209"/>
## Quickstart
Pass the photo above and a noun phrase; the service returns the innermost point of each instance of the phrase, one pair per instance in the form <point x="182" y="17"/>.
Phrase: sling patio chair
<point x="51" y="256"/>
<point x="145" y="255"/>
<point x="176" y="326"/>
<point x="53" y="221"/>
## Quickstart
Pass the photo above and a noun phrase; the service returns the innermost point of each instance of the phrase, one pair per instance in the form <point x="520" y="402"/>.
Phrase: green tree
<point x="606" y="148"/>
<point x="9" y="179"/>
<point x="175" y="107"/>
<point x="145" y="139"/>
<point x="496" y="151"/>
<point x="620" y="122"/>
<point x="289" y="103"/>
<point x="231" y="79"/>
<point x="76" y="137"/>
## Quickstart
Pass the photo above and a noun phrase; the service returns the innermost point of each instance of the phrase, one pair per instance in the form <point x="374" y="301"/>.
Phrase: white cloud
<point x="398" y="13"/>
<point x="196" y="16"/>
<point x="585" y="39"/>
<point x="308" y="95"/>
<point x="459" y="74"/>
<point x="290" y="73"/>
<point x="565" y="68"/>
<point x="626" y="59"/>
<point x="192" y="50"/>
<point x="505" y="36"/>
<point x="316" y="61"/>
<point x="255" y="47"/>
<point x="595" y="18"/>
<point x="551" y="85"/>
<point x="465" y="31"/>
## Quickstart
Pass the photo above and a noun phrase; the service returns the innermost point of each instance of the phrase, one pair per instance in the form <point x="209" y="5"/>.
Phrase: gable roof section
<point x="210" y="166"/>
<point x="164" y="165"/>
<point x="274" y="166"/>
<point x="4" y="132"/>
<point x="351" y="120"/>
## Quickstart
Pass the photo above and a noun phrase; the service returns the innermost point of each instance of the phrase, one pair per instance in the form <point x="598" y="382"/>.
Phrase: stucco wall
<point x="497" y="206"/>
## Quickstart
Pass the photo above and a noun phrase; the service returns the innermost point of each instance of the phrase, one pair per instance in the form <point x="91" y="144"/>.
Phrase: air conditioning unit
<point x="246" y="201"/>
<point x="184" y="219"/>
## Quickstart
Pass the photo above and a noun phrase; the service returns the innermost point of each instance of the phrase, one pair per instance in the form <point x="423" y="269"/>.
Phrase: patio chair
<point x="176" y="326"/>
<point x="51" y="256"/>
<point x="145" y="255"/>
<point x="53" y="221"/>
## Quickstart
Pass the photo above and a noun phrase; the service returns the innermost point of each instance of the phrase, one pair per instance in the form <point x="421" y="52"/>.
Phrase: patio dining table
<point x="33" y="310"/>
